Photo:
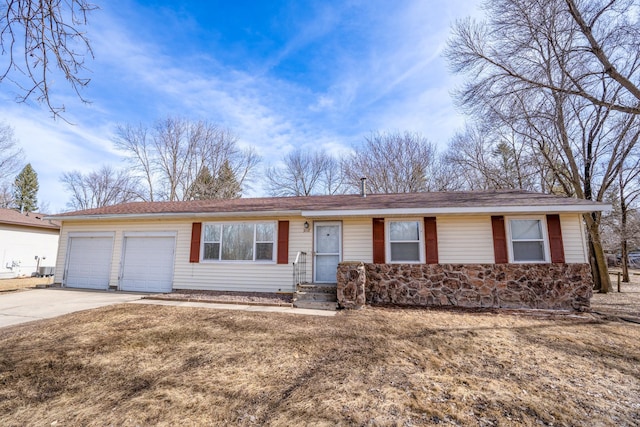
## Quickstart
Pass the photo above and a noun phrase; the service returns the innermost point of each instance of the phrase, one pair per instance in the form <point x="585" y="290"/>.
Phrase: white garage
<point x="147" y="263"/>
<point x="89" y="262"/>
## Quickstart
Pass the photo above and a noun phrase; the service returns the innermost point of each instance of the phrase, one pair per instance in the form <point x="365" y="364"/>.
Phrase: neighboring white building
<point x="27" y="242"/>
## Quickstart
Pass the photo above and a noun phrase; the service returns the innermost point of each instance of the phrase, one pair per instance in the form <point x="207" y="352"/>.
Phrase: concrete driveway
<point x="35" y="304"/>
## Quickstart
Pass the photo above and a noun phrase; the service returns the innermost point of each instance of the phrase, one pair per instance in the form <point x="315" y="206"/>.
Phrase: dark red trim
<point x="283" y="242"/>
<point x="499" y="240"/>
<point x="431" y="240"/>
<point x="555" y="239"/>
<point x="378" y="241"/>
<point x="196" y="232"/>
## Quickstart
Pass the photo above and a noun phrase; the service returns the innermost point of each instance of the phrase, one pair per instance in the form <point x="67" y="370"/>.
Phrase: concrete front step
<point x="315" y="287"/>
<point x="316" y="305"/>
<point x="316" y="296"/>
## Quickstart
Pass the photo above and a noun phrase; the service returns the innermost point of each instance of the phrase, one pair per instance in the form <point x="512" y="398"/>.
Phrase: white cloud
<point x="377" y="67"/>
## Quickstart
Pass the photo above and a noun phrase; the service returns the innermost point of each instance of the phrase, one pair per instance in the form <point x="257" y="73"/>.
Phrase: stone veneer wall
<point x="539" y="286"/>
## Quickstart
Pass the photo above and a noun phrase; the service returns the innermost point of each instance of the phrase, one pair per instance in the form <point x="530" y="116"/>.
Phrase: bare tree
<point x="6" y="195"/>
<point x="100" y="188"/>
<point x="40" y="38"/>
<point x="305" y="173"/>
<point x="11" y="156"/>
<point x="530" y="72"/>
<point x="447" y="176"/>
<point x="491" y="156"/>
<point x="392" y="163"/>
<point x="135" y="142"/>
<point x="621" y="225"/>
<point x="597" y="39"/>
<point x="170" y="156"/>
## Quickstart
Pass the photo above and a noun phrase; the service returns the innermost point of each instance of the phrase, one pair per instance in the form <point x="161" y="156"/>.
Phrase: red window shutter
<point x="283" y="242"/>
<point x="555" y="239"/>
<point x="196" y="232"/>
<point x="378" y="241"/>
<point x="431" y="240"/>
<point x="499" y="240"/>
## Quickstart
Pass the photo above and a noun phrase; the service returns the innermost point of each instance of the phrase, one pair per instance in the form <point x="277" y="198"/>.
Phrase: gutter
<point x="174" y="215"/>
<point x="459" y="211"/>
<point x="497" y="210"/>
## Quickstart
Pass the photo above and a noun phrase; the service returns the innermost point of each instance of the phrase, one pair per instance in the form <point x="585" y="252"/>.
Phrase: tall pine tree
<point x="227" y="183"/>
<point x="25" y="189"/>
<point x="204" y="186"/>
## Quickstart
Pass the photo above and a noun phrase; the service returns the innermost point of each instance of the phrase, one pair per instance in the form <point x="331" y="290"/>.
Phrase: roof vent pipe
<point x="363" y="186"/>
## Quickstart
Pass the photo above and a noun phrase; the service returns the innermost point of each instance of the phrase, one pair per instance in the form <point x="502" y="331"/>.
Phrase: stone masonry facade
<point x="535" y="286"/>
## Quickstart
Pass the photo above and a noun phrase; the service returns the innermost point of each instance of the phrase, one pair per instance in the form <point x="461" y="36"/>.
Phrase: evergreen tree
<point x="204" y="186"/>
<point x="227" y="185"/>
<point x="26" y="189"/>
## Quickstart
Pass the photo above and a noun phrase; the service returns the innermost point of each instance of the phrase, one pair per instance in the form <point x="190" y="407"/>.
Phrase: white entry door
<point x="147" y="264"/>
<point x="89" y="262"/>
<point x="327" y="251"/>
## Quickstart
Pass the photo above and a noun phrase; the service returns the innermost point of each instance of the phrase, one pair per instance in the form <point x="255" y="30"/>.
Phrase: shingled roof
<point x="435" y="202"/>
<point x="35" y="220"/>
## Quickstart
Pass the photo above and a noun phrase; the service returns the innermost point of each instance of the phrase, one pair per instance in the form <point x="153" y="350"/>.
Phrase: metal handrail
<point x="299" y="269"/>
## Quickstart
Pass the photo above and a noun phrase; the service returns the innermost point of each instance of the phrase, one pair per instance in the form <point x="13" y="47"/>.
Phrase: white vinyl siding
<point x="573" y="239"/>
<point x="257" y="277"/>
<point x="465" y="240"/>
<point x="357" y="240"/>
<point x="23" y="244"/>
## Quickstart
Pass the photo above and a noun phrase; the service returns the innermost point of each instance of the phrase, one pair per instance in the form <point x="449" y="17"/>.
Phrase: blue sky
<point x="279" y="74"/>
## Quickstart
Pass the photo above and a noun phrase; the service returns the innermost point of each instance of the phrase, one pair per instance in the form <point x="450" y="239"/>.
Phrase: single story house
<point x="27" y="243"/>
<point x="415" y="248"/>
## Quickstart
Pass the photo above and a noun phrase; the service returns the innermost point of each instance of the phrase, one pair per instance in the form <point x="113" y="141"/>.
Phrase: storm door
<point x="327" y="250"/>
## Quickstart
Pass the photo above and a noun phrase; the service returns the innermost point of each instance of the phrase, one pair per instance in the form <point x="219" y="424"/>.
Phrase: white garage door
<point x="147" y="264"/>
<point x="89" y="262"/>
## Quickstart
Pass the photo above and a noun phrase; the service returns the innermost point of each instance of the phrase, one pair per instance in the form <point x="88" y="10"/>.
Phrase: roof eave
<point x="174" y="215"/>
<point x="42" y="226"/>
<point x="493" y="210"/>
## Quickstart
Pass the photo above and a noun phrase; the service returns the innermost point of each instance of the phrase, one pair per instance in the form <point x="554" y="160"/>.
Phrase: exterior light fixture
<point x="306" y="226"/>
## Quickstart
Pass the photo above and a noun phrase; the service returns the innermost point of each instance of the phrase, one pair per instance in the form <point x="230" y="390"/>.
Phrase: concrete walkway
<point x="35" y="304"/>
<point x="221" y="306"/>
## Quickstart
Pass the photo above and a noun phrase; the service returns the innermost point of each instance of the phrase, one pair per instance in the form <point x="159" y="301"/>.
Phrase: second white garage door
<point x="147" y="264"/>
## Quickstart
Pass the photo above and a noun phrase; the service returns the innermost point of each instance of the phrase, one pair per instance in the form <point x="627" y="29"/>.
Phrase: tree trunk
<point x="625" y="261"/>
<point x="624" y="247"/>
<point x="598" y="261"/>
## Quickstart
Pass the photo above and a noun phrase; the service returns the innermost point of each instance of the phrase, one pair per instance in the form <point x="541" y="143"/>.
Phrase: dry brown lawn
<point x="154" y="365"/>
<point x="625" y="304"/>
<point x="23" y="283"/>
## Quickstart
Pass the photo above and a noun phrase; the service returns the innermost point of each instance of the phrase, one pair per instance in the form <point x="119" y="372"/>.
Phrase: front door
<point x="327" y="250"/>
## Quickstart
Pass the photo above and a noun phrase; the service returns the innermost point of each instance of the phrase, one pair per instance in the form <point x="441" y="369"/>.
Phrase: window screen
<point x="527" y="240"/>
<point x="239" y="241"/>
<point x="404" y="241"/>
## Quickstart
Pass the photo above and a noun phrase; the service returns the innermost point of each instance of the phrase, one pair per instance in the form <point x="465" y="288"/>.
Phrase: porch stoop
<point x="316" y="296"/>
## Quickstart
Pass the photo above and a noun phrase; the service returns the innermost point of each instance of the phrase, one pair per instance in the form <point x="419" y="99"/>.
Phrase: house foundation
<point x="532" y="286"/>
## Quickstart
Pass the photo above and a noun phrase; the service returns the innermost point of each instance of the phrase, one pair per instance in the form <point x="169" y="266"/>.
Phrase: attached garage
<point x="147" y="263"/>
<point x="89" y="261"/>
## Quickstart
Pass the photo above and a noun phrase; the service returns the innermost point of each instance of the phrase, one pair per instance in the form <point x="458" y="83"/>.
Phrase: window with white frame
<point x="527" y="240"/>
<point x="239" y="241"/>
<point x="405" y="241"/>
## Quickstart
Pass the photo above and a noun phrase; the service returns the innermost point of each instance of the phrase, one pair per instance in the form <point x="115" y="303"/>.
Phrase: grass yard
<point x="151" y="365"/>
<point x="23" y="283"/>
